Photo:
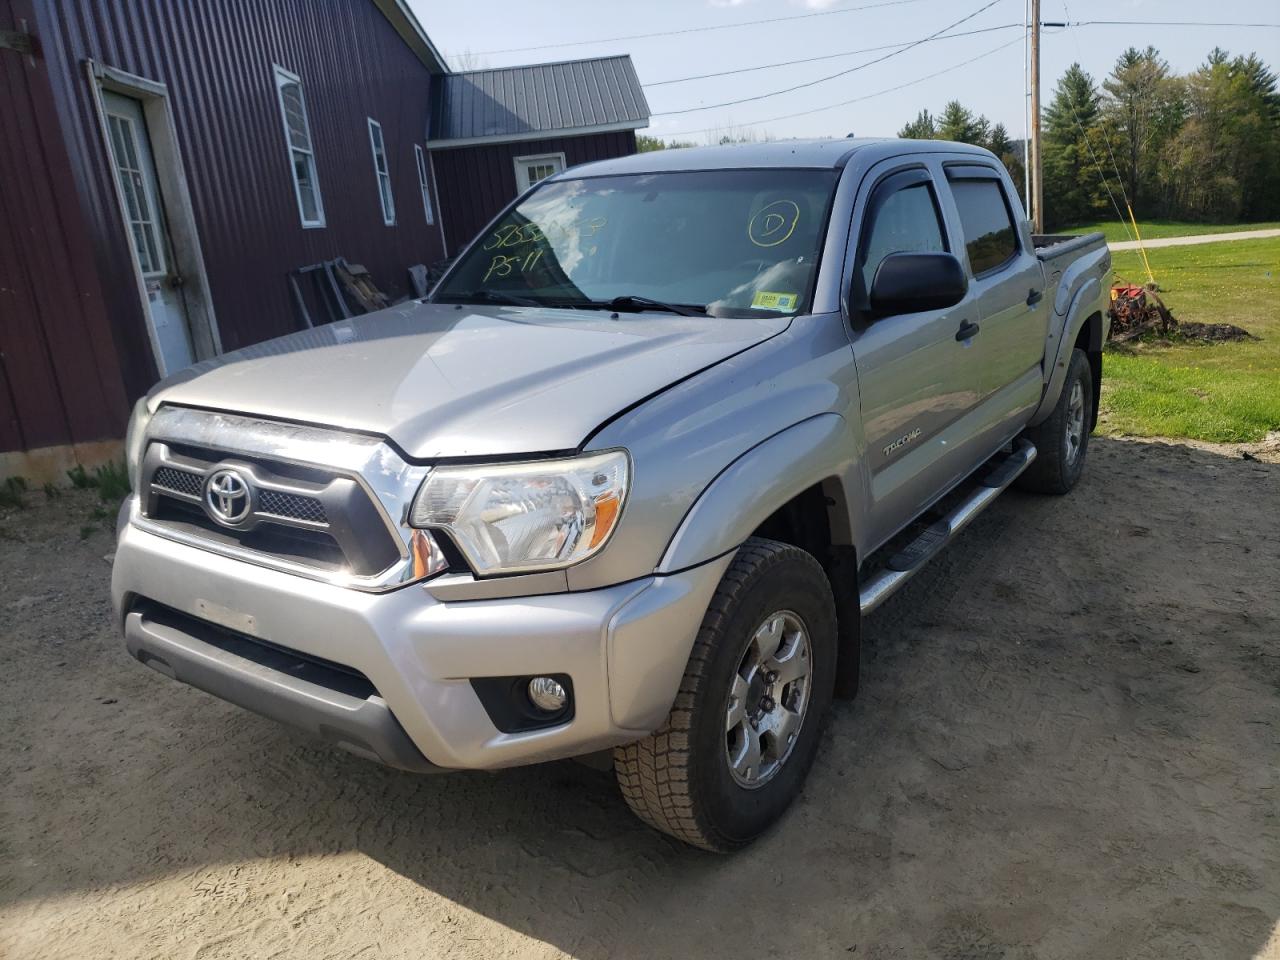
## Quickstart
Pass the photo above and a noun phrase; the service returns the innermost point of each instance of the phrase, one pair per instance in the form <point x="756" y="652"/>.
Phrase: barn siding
<point x="216" y="60"/>
<point x="478" y="181"/>
<point x="59" y="372"/>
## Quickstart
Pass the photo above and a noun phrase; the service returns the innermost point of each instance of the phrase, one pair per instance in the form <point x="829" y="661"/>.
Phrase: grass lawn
<point x="1156" y="229"/>
<point x="1217" y="392"/>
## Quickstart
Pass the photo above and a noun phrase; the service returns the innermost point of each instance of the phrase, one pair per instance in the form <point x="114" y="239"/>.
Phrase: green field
<point x="1217" y="392"/>
<point x="1158" y="229"/>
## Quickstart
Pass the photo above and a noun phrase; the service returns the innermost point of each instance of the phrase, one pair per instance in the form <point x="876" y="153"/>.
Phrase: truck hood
<point x="447" y="381"/>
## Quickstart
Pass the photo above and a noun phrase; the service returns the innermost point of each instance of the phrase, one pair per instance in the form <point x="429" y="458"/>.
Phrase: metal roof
<point x="539" y="100"/>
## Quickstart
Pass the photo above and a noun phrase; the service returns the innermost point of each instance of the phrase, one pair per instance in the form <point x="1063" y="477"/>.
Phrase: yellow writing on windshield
<point x="517" y="234"/>
<point x="773" y="223"/>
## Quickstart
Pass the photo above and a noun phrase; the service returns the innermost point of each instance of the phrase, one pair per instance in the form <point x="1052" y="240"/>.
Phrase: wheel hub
<point x="768" y="699"/>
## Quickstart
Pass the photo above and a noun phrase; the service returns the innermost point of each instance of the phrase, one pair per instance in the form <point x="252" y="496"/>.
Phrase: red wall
<point x="59" y="373"/>
<point x="216" y="59"/>
<point x="477" y="182"/>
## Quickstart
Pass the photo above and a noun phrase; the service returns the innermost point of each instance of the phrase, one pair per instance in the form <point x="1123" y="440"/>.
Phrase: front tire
<point x="1062" y="441"/>
<point x="745" y="725"/>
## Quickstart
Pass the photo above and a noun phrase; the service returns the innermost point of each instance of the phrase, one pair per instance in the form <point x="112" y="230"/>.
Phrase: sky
<point x="486" y="33"/>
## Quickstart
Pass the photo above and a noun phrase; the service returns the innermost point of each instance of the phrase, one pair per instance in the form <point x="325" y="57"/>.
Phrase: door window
<point x="530" y="170"/>
<point x="990" y="238"/>
<point x="907" y="222"/>
<point x="140" y="206"/>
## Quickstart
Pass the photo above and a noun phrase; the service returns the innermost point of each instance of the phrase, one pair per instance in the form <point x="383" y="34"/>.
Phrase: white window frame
<point x="382" y="171"/>
<point x="420" y="158"/>
<point x="532" y="160"/>
<point x="283" y="76"/>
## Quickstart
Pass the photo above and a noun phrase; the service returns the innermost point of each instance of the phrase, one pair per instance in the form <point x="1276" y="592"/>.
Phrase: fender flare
<point x="1077" y="314"/>
<point x="752" y="487"/>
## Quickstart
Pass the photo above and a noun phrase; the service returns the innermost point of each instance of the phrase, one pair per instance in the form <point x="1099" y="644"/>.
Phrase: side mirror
<point x="914" y="282"/>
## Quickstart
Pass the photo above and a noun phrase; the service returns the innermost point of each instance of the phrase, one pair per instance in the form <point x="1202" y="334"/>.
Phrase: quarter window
<point x="297" y="136"/>
<point x="906" y="223"/>
<point x="382" y="173"/>
<point x="989" y="235"/>
<point x="423" y="180"/>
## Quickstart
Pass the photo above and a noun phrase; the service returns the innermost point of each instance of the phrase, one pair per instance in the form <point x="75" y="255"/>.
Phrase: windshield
<point x="730" y="242"/>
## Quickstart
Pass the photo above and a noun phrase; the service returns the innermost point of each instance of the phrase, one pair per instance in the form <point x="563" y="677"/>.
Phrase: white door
<point x="144" y="220"/>
<point x="529" y="170"/>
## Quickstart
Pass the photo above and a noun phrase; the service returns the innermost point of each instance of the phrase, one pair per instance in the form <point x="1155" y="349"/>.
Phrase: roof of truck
<point x="829" y="153"/>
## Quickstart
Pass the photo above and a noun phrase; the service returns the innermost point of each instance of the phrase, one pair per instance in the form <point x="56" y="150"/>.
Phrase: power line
<point x="1164" y="23"/>
<point x="828" y="56"/>
<point x="865" y="96"/>
<point x="841" y="73"/>
<point x="717" y="26"/>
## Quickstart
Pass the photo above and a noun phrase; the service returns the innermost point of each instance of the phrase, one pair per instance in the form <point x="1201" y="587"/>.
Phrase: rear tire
<point x="710" y="776"/>
<point x="1062" y="441"/>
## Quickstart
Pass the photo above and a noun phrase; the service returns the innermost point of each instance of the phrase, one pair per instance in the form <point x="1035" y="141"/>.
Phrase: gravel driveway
<point x="1067" y="745"/>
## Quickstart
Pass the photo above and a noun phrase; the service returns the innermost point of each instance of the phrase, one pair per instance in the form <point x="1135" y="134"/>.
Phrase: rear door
<point x="1008" y="282"/>
<point x="916" y="377"/>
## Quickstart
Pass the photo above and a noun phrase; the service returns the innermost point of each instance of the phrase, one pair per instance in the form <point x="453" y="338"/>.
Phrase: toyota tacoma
<point x="628" y="478"/>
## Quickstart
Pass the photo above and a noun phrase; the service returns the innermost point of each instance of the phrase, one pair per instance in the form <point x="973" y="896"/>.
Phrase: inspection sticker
<point x="768" y="300"/>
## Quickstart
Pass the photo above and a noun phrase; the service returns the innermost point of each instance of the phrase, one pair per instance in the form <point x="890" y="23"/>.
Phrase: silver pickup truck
<point x="628" y="478"/>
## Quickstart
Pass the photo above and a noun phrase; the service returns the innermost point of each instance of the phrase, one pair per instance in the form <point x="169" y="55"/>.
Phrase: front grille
<point x="302" y="513"/>
<point x="292" y="506"/>
<point x="179" y="481"/>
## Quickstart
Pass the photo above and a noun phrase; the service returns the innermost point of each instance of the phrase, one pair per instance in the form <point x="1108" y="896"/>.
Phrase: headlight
<point x="518" y="517"/>
<point x="135" y="441"/>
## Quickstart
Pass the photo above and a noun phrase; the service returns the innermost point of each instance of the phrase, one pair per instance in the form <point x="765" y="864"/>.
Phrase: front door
<point x="148" y="232"/>
<point x="916" y="380"/>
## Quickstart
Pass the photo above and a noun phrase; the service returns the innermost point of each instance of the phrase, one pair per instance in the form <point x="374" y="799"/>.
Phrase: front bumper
<point x="625" y="648"/>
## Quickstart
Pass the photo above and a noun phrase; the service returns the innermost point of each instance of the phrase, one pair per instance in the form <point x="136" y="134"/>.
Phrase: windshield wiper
<point x="494" y="296"/>
<point x="636" y="304"/>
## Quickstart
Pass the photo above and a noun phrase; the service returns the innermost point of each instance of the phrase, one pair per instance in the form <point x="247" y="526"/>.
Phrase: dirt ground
<point x="1067" y="745"/>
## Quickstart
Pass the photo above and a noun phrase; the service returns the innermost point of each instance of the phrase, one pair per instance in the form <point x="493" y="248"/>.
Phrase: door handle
<point x="1034" y="297"/>
<point x="967" y="330"/>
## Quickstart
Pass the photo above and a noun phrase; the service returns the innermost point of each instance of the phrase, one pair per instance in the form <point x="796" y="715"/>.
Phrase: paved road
<point x="1200" y="238"/>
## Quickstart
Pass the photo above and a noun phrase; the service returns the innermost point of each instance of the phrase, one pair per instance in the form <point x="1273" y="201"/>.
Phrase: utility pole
<point x="1037" y="172"/>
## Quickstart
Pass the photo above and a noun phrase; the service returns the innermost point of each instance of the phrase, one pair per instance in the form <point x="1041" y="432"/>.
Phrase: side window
<point x="382" y="172"/>
<point x="422" y="183"/>
<point x="989" y="234"/>
<point x="906" y="223"/>
<point x="302" y="159"/>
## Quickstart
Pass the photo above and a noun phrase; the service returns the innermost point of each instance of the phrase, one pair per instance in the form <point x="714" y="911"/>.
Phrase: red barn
<point x="166" y="168"/>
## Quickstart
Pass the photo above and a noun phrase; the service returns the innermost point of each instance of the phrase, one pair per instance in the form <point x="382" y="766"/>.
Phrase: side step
<point x="904" y="564"/>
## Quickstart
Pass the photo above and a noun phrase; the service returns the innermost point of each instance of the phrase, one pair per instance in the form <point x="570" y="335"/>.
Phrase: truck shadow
<point x="1063" y="745"/>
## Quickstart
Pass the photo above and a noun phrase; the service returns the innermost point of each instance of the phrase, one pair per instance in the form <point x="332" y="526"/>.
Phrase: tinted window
<point x="989" y="235"/>
<point x="737" y="242"/>
<point x="907" y="223"/>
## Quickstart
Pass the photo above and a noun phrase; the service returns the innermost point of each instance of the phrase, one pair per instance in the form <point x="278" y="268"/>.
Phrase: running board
<point x="904" y="564"/>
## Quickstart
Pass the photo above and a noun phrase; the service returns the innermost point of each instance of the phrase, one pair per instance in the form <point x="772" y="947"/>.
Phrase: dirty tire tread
<point x="1049" y="473"/>
<point x="653" y="773"/>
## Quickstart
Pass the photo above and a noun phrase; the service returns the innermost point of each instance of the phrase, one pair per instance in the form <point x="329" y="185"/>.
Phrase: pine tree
<point x="1075" y="150"/>
<point x="921" y="128"/>
<point x="958" y="123"/>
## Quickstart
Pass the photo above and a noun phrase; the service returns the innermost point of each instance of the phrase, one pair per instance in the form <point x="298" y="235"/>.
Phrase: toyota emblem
<point x="228" y="497"/>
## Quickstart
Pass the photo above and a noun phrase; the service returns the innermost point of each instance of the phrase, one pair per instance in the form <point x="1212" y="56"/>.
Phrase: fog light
<point x="547" y="694"/>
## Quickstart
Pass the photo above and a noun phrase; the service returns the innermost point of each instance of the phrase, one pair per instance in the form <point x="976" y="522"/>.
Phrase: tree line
<point x="1200" y="147"/>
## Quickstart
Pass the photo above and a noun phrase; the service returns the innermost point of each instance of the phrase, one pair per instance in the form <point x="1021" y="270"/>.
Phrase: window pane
<point x="989" y="235"/>
<point x="295" y="116"/>
<point x="420" y="159"/>
<point x="907" y="223"/>
<point x="306" y="187"/>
